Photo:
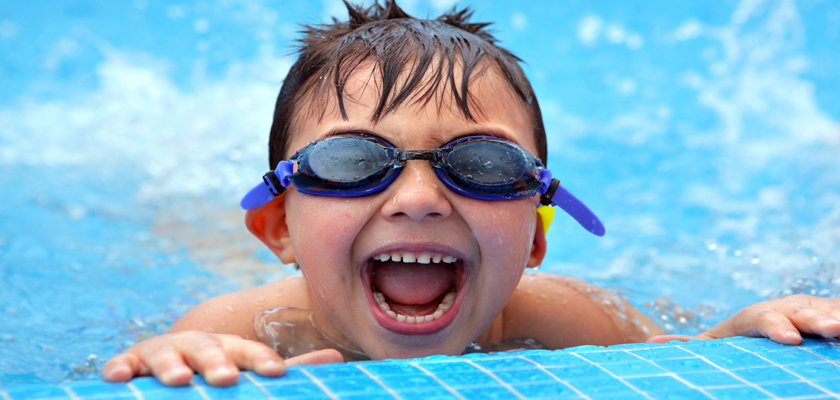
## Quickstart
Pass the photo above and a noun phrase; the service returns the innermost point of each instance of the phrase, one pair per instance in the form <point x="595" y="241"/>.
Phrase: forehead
<point x="431" y="112"/>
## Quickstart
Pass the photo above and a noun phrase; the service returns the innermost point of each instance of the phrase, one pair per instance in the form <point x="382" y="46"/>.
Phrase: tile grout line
<point x="319" y="383"/>
<point x="258" y="385"/>
<point x="4" y="395"/>
<point x="137" y="393"/>
<point x="640" y="391"/>
<point x="70" y="392"/>
<point x="199" y="389"/>
<point x="557" y="378"/>
<point x="808" y="381"/>
<point x="438" y="380"/>
<point x="496" y="378"/>
<point x="376" y="379"/>
<point x="729" y="371"/>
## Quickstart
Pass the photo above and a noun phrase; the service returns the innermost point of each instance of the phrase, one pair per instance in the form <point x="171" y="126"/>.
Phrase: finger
<point x="206" y="355"/>
<point x="770" y="324"/>
<point x="812" y="320"/>
<point x="668" y="338"/>
<point x="165" y="362"/>
<point x="254" y="356"/>
<point x="831" y="306"/>
<point x="123" y="367"/>
<point x="325" y="356"/>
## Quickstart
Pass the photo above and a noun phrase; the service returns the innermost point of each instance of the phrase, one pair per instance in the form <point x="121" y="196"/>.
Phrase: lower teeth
<point x="443" y="307"/>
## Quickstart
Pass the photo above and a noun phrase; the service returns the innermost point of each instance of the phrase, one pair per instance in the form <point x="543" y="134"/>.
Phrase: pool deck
<point x="734" y="368"/>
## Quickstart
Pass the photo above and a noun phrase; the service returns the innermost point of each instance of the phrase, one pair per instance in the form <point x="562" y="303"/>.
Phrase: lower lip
<point x="405" y="328"/>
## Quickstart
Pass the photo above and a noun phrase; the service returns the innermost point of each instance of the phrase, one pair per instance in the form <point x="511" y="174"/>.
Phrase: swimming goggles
<point x="481" y="167"/>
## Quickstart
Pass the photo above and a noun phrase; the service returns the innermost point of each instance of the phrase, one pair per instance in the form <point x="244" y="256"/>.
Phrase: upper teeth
<point x="412" y="257"/>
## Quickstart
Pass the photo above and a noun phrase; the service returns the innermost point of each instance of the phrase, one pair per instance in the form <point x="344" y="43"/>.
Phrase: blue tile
<point x="152" y="389"/>
<point x="441" y="367"/>
<point x="94" y="388"/>
<point x="435" y="394"/>
<point x="602" y="386"/>
<point x="147" y="383"/>
<point x="709" y="378"/>
<point x="792" y="389"/>
<point x="832" y="385"/>
<point x="295" y="390"/>
<point x="680" y="395"/>
<point x="411" y="382"/>
<point x="579" y="372"/>
<point x="239" y="391"/>
<point x="354" y="385"/>
<point x="817" y="341"/>
<point x="792" y="355"/>
<point x="517" y="376"/>
<point x="619" y="396"/>
<point x="831" y="353"/>
<point x="762" y="346"/>
<point x="764" y="374"/>
<point x="455" y="379"/>
<point x="552" y="360"/>
<point x="602" y="357"/>
<point x="654" y="384"/>
<point x="736" y="360"/>
<point x="686" y="365"/>
<point x="336" y="371"/>
<point x="823" y="370"/>
<point x="36" y="391"/>
<point x="391" y="368"/>
<point x="662" y="353"/>
<point x="738" y="393"/>
<point x="292" y="375"/>
<point x="366" y="396"/>
<point x="545" y="390"/>
<point x="498" y="392"/>
<point x="634" y="368"/>
<point x="632" y="346"/>
<point x="178" y="393"/>
<point x="504" y="363"/>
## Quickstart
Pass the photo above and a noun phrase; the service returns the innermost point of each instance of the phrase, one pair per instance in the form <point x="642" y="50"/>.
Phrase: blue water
<point x="705" y="134"/>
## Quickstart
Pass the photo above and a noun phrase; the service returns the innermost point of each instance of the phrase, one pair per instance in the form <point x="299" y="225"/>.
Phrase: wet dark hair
<point x="402" y="49"/>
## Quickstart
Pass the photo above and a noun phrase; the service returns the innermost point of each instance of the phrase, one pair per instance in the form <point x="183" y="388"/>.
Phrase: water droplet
<point x="755" y="260"/>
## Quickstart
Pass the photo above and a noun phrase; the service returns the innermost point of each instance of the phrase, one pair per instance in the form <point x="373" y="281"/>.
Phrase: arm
<point x="216" y="338"/>
<point x="564" y="312"/>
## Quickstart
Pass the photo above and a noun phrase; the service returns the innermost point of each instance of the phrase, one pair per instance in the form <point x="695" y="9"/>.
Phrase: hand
<point x="172" y="358"/>
<point x="781" y="320"/>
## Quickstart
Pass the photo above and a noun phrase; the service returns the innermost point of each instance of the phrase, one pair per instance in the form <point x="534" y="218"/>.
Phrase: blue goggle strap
<point x="274" y="184"/>
<point x="554" y="194"/>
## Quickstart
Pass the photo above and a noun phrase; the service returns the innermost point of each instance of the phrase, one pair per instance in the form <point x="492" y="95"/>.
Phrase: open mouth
<point x="415" y="292"/>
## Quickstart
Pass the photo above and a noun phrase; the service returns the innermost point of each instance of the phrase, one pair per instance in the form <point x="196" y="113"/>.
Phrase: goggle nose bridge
<point x="434" y="156"/>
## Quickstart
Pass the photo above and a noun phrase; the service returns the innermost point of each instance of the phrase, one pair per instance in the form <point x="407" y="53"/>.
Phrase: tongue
<point x="412" y="283"/>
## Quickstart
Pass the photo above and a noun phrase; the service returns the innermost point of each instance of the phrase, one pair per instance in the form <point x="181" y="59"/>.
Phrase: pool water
<point x="705" y="135"/>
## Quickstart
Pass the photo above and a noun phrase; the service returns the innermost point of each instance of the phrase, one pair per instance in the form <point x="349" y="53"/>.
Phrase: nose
<point x="418" y="195"/>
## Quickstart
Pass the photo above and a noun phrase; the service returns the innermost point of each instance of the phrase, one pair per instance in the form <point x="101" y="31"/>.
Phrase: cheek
<point x="505" y="230"/>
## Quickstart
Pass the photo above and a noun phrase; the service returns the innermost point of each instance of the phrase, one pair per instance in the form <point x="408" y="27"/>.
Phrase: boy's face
<point x="337" y="241"/>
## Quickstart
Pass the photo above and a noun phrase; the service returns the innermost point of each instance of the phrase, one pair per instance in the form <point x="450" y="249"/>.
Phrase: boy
<point x="405" y="189"/>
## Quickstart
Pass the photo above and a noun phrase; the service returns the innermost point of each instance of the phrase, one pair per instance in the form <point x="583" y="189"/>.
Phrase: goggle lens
<point x="480" y="167"/>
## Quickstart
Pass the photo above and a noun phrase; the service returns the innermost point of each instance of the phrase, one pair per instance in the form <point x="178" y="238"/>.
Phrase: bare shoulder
<point x="233" y="313"/>
<point x="562" y="311"/>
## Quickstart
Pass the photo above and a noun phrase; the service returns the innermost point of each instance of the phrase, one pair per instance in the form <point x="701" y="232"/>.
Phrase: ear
<point x="268" y="224"/>
<point x="538" y="247"/>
